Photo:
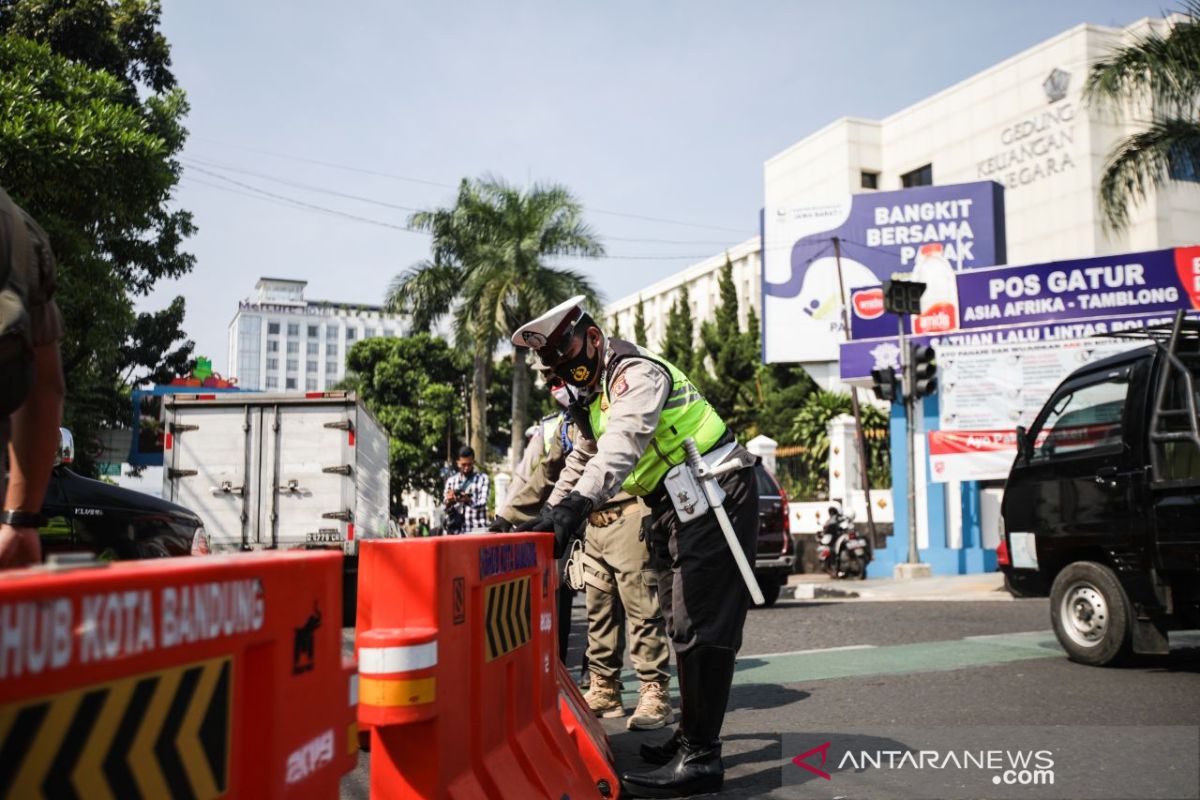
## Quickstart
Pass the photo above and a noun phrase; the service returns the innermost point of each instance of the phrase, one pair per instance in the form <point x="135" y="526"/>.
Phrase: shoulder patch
<point x="620" y="386"/>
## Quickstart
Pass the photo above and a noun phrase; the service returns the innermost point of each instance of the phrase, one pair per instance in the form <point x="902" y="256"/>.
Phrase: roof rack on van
<point x="1179" y="343"/>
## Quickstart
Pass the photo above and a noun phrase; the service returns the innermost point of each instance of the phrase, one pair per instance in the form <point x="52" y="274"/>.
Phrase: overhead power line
<point x="257" y="193"/>
<point x="409" y="179"/>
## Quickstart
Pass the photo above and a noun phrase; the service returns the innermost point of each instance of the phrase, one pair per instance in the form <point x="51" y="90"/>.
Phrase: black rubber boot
<point x="696" y="767"/>
<point x="659" y="754"/>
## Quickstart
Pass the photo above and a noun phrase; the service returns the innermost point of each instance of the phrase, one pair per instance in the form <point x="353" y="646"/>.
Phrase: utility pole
<point x="903" y="298"/>
<point x="907" y="386"/>
<point x="860" y="438"/>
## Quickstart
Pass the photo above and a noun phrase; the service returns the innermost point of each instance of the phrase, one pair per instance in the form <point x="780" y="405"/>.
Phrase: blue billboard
<point x="934" y="232"/>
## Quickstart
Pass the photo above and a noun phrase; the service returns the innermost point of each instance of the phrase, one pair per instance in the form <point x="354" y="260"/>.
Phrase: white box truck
<point x="279" y="471"/>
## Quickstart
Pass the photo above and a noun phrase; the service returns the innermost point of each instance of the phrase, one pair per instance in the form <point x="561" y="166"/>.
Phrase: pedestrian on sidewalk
<point x="466" y="495"/>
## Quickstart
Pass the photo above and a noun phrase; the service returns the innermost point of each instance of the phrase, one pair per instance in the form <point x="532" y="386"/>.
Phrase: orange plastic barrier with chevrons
<point x="460" y="684"/>
<point x="202" y="677"/>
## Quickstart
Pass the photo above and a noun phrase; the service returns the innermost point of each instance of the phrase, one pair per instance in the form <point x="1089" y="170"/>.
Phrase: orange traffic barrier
<point x="460" y="685"/>
<point x="184" y="677"/>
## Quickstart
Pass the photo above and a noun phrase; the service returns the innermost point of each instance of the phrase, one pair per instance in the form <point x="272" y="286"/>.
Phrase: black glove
<point x="569" y="518"/>
<point x="540" y="523"/>
<point x="500" y="525"/>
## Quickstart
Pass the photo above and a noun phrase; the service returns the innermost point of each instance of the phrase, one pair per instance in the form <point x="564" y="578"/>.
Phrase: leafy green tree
<point x="728" y="368"/>
<point x="639" y="324"/>
<point x="489" y="266"/>
<point x="1157" y="76"/>
<point x="781" y="388"/>
<point x="90" y="124"/>
<point x="679" y="340"/>
<point x="810" y="429"/>
<point x="412" y="385"/>
<point x="613" y="327"/>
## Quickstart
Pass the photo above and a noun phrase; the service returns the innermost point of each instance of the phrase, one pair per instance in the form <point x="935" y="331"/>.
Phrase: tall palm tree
<point x="1158" y="76"/>
<point x="489" y="269"/>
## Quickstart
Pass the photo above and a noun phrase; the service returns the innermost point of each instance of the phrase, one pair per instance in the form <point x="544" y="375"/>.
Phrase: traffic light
<point x="924" y="370"/>
<point x="885" y="384"/>
<point x="902" y="297"/>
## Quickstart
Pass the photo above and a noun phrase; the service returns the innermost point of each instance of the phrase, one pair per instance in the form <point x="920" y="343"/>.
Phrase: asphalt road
<point x="823" y="667"/>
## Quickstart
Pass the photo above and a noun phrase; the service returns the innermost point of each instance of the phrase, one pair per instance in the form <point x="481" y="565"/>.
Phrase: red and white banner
<point x="971" y="455"/>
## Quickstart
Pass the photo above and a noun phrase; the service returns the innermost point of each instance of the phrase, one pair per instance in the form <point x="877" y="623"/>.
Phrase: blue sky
<point x="662" y="110"/>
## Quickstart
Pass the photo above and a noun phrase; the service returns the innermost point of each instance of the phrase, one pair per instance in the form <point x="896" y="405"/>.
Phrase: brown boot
<point x="604" y="697"/>
<point x="653" y="708"/>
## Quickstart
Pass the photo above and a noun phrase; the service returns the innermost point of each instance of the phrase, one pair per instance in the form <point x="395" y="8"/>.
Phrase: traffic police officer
<point x="635" y="411"/>
<point x="616" y="570"/>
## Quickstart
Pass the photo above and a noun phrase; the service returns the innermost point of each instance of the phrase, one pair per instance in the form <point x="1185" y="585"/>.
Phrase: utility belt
<point x="612" y="512"/>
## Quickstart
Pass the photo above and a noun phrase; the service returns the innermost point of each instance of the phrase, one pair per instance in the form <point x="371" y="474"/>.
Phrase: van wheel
<point x="1091" y="615"/>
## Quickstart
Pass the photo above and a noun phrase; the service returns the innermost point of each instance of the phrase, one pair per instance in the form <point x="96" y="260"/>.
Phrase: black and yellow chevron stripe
<point x="506" y="616"/>
<point x="160" y="734"/>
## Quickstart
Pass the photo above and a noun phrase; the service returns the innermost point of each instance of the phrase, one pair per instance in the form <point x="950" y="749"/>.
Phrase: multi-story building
<point x="278" y="340"/>
<point x="1022" y="123"/>
<point x="702" y="282"/>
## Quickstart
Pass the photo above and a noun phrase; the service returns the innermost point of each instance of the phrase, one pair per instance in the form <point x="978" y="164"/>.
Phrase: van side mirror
<point x="66" y="448"/>
<point x="1024" y="448"/>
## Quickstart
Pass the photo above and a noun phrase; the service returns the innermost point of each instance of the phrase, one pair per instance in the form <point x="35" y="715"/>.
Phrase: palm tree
<point x="1159" y="75"/>
<point x="488" y="268"/>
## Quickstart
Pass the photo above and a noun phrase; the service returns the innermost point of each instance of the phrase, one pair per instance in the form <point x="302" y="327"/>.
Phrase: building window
<point x="291" y="383"/>
<point x="331" y="332"/>
<point x="1181" y="165"/>
<point x="293" y="329"/>
<point x="310" y="384"/>
<point x="351" y="334"/>
<point x="369" y="333"/>
<point x="314" y="330"/>
<point x="272" y="382"/>
<point x="293" y="365"/>
<point x="331" y="348"/>
<point x="921" y="176"/>
<point x="272" y="327"/>
<point x="272" y="345"/>
<point x="293" y="347"/>
<point x="388" y="332"/>
<point x="273" y="363"/>
<point x="311" y="367"/>
<point x="870" y="180"/>
<point x="314" y="348"/>
<point x="331" y="369"/>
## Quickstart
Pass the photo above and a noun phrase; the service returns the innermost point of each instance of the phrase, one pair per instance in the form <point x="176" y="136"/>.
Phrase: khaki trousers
<point x="619" y="576"/>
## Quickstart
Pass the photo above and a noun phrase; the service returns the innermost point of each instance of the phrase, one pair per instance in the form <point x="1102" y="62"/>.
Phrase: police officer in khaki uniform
<point x="31" y="381"/>
<point x="620" y="583"/>
<point x="635" y="412"/>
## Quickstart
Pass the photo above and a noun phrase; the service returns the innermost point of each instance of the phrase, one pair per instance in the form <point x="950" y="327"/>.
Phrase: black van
<point x="1102" y="506"/>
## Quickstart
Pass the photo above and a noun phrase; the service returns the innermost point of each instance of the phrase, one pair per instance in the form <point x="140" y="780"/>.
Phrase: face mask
<point x="563" y="395"/>
<point x="580" y="370"/>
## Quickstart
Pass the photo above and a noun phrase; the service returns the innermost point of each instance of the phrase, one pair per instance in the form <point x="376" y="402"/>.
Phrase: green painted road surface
<point x="860" y="661"/>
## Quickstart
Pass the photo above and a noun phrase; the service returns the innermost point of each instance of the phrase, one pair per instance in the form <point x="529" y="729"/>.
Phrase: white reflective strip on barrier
<point x="353" y="690"/>
<point x="385" y="660"/>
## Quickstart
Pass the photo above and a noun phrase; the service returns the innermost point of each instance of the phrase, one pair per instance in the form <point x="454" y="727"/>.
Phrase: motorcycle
<point x="842" y="553"/>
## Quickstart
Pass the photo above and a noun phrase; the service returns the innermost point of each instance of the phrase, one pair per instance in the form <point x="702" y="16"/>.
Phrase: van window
<point x="1179" y="460"/>
<point x="1085" y="419"/>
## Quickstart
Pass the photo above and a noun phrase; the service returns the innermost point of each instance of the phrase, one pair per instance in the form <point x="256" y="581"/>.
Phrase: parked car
<point x="109" y="521"/>
<point x="776" y="553"/>
<point x="1102" y="506"/>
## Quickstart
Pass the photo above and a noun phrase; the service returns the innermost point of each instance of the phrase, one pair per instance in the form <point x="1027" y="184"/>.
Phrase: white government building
<point x="1021" y="123"/>
<point x="278" y="340"/>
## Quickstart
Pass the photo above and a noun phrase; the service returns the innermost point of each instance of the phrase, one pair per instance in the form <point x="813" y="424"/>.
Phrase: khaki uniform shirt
<point x="596" y="469"/>
<point x="35" y="277"/>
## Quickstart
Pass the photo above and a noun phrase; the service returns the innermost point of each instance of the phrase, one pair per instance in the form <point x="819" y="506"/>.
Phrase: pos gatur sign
<point x="955" y="228"/>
